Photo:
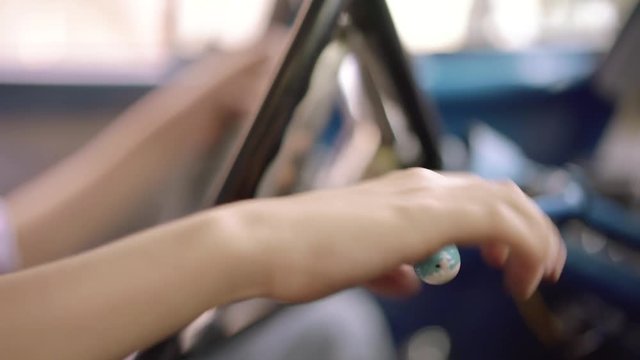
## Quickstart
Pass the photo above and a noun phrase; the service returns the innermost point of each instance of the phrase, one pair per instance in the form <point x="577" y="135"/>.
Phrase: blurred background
<point x="545" y="92"/>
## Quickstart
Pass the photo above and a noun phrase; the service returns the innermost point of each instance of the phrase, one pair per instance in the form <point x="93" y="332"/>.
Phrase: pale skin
<point x="111" y="301"/>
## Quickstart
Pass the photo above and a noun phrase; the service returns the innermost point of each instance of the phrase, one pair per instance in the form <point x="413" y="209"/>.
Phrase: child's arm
<point x="109" y="302"/>
<point x="125" y="296"/>
<point x="67" y="208"/>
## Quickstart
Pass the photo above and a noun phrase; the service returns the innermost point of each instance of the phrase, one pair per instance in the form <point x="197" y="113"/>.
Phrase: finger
<point x="520" y="280"/>
<point x="526" y="262"/>
<point x="473" y="211"/>
<point x="561" y="255"/>
<point x="560" y="262"/>
<point x="399" y="283"/>
<point x="542" y="229"/>
<point x="558" y="256"/>
<point x="495" y="254"/>
<point x="499" y="223"/>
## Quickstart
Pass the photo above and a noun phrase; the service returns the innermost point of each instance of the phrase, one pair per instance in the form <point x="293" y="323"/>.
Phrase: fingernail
<point x="559" y="266"/>
<point x="550" y="268"/>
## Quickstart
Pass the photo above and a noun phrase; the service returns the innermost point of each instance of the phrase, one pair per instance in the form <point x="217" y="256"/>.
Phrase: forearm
<point x="114" y="300"/>
<point x="74" y="204"/>
<point x="124" y="296"/>
<point x="77" y="202"/>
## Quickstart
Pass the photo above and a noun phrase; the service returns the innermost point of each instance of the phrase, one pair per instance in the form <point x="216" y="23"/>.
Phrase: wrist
<point x="231" y="242"/>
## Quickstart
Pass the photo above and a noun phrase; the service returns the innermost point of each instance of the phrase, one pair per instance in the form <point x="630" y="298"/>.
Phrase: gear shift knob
<point x="441" y="267"/>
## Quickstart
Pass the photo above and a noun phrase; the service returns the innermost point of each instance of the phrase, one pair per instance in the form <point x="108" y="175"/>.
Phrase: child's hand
<point x="313" y="244"/>
<point x="294" y="248"/>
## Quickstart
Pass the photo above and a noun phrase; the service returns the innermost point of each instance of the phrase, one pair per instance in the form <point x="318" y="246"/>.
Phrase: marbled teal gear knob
<point x="441" y="267"/>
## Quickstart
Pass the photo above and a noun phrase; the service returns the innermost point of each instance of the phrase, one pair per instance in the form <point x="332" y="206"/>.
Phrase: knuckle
<point x="511" y="188"/>
<point x="419" y="173"/>
<point x="506" y="224"/>
<point x="486" y="217"/>
<point x="513" y="192"/>
<point x="413" y="213"/>
<point x="509" y="225"/>
<point x="405" y="209"/>
<point x="499" y="216"/>
<point x="475" y="178"/>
